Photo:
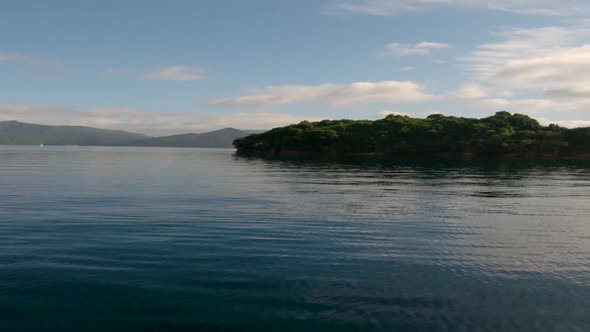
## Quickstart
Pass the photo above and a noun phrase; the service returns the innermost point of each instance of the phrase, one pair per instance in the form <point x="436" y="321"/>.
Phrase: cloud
<point x="404" y="50"/>
<point x="179" y="122"/>
<point x="546" y="68"/>
<point x="176" y="73"/>
<point x="407" y="68"/>
<point x="8" y="111"/>
<point x="567" y="123"/>
<point x="348" y="95"/>
<point x="152" y="123"/>
<point x="338" y="95"/>
<point x="386" y="113"/>
<point x="562" y="70"/>
<point x="469" y="91"/>
<point x="531" y="105"/>
<point x="569" y="93"/>
<point x="532" y="56"/>
<point x="31" y="60"/>
<point x="383" y="114"/>
<point x="523" y="7"/>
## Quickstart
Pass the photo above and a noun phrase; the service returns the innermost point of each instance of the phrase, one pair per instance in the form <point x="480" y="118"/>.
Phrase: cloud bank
<point x="342" y="95"/>
<point x="552" y="64"/>
<point x="522" y="7"/>
<point x="151" y="123"/>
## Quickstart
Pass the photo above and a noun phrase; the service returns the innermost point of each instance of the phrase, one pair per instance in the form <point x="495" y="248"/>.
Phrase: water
<point x="140" y="239"/>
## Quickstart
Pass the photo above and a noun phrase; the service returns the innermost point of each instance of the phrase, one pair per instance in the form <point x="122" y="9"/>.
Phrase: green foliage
<point x="501" y="134"/>
<point x="578" y="139"/>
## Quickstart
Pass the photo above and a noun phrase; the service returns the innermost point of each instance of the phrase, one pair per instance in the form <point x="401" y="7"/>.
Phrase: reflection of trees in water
<point x="439" y="182"/>
<point x="429" y="168"/>
<point x="490" y="217"/>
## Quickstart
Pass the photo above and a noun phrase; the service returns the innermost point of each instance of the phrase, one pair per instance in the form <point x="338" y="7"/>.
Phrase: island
<point x="501" y="135"/>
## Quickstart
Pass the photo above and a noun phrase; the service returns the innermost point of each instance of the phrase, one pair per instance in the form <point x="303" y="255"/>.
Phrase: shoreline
<point x="331" y="155"/>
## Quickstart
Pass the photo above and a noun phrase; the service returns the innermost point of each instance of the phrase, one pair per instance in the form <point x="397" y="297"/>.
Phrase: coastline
<point x="333" y="155"/>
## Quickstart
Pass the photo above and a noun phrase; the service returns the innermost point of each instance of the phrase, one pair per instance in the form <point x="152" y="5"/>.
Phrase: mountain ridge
<point x="14" y="132"/>
<point x="221" y="138"/>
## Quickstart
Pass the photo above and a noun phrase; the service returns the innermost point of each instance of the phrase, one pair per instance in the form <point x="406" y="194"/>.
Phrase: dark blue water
<point x="139" y="239"/>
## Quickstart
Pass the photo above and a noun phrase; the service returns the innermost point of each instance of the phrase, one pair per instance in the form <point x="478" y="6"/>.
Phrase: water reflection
<point x="504" y="218"/>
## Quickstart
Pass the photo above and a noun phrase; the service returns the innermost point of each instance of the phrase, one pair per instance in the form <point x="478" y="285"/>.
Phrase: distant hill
<point x="221" y="138"/>
<point x="19" y="133"/>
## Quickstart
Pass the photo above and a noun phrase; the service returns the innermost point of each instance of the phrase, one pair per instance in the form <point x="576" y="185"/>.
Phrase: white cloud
<point x="162" y="123"/>
<point x="524" y="7"/>
<point x="543" y="69"/>
<point x="403" y="50"/>
<point x="567" y="123"/>
<point x="176" y="73"/>
<point x="562" y="68"/>
<point x="386" y="113"/>
<point x="469" y="91"/>
<point x="533" y="57"/>
<point x="152" y="123"/>
<point x="531" y="105"/>
<point x="338" y="95"/>
<point x="383" y="114"/>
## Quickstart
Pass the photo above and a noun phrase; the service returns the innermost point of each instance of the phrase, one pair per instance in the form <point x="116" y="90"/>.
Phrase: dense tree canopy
<point x="501" y="134"/>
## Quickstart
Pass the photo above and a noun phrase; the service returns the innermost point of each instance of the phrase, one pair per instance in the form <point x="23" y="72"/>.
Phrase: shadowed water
<point x="149" y="239"/>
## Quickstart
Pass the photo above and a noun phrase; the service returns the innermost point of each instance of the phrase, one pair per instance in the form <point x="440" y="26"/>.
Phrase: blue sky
<point x="174" y="66"/>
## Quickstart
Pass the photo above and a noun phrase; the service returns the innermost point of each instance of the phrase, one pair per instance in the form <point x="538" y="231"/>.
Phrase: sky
<point x="173" y="66"/>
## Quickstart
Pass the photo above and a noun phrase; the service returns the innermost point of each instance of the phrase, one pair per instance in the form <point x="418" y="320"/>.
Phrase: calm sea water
<point x="141" y="239"/>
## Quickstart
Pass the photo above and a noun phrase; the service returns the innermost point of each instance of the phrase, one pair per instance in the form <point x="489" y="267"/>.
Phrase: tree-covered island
<point x="501" y="135"/>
